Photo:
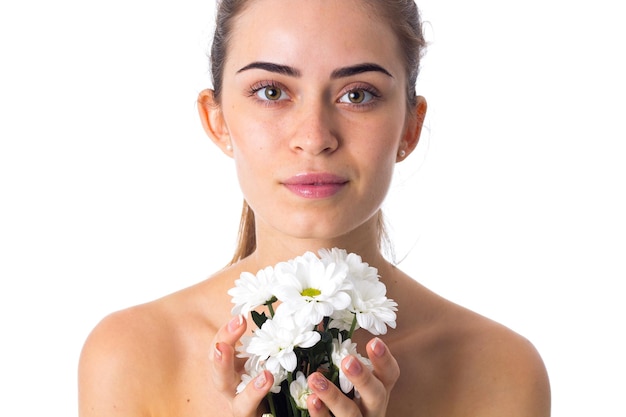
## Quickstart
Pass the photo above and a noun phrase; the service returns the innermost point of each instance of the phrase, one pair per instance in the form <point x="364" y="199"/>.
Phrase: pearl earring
<point x="229" y="147"/>
<point x="401" y="153"/>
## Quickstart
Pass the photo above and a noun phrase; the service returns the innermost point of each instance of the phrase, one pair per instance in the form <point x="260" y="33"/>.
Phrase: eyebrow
<point x="358" y="69"/>
<point x="338" y="73"/>
<point x="268" y="66"/>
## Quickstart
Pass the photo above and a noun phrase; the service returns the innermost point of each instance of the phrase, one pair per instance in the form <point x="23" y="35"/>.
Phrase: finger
<point x="316" y="407"/>
<point x="232" y="331"/>
<point x="247" y="402"/>
<point x="373" y="393"/>
<point x="223" y="372"/>
<point x="373" y="387"/>
<point x="333" y="398"/>
<point x="386" y="367"/>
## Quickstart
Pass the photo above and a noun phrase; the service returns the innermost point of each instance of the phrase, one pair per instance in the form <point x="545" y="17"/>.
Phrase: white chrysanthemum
<point x="373" y="310"/>
<point x="357" y="269"/>
<point x="254" y="366"/>
<point x="342" y="320"/>
<point x="341" y="349"/>
<point x="275" y="341"/>
<point x="299" y="390"/>
<point x="251" y="290"/>
<point x="311" y="290"/>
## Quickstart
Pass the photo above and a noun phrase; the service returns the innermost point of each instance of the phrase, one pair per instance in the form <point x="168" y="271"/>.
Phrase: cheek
<point x="250" y="164"/>
<point x="379" y="157"/>
<point x="378" y="144"/>
<point x="255" y="153"/>
<point x="383" y="174"/>
<point x="251" y="133"/>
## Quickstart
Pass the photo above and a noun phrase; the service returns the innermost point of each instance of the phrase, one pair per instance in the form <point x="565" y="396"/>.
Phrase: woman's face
<point x="314" y="107"/>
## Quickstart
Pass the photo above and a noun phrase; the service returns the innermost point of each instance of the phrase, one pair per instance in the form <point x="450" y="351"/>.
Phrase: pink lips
<point x="318" y="185"/>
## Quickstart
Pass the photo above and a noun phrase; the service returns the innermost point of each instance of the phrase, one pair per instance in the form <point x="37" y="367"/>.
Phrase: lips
<point x="315" y="185"/>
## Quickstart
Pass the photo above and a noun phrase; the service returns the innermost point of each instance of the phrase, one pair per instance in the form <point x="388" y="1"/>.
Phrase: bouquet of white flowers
<point x="323" y="300"/>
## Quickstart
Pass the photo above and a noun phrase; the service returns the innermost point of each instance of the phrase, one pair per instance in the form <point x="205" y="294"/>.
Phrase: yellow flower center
<point x="310" y="292"/>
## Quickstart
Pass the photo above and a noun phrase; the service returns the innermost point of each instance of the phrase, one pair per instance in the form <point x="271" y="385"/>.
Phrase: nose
<point x="315" y="131"/>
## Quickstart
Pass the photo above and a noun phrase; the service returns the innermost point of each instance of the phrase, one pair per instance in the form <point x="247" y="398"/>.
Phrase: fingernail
<point x="260" y="381"/>
<point x="235" y="323"/>
<point x="319" y="382"/>
<point x="353" y="366"/>
<point x="316" y="403"/>
<point x="217" y="353"/>
<point x="378" y="347"/>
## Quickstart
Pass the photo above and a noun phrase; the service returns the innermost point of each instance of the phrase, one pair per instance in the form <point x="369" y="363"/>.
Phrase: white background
<point x="111" y="195"/>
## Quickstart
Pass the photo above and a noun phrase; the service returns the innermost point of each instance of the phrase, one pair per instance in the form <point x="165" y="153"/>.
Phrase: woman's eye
<point x="358" y="96"/>
<point x="270" y="93"/>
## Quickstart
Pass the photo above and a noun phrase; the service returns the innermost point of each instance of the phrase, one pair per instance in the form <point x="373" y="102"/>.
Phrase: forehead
<point x="307" y="33"/>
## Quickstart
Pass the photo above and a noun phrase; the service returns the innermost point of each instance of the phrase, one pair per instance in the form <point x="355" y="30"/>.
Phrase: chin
<point x="329" y="231"/>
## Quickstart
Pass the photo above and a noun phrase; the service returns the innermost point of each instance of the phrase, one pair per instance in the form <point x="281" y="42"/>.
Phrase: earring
<point x="401" y="153"/>
<point x="229" y="147"/>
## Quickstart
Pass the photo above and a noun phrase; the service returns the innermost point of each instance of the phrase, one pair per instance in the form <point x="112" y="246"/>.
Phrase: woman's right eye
<point x="271" y="93"/>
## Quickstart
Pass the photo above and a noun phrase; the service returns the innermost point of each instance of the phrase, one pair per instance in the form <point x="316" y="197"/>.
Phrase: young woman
<point x="314" y="101"/>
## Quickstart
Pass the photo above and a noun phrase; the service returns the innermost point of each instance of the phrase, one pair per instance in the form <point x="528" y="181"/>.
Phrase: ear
<point x="413" y="129"/>
<point x="213" y="121"/>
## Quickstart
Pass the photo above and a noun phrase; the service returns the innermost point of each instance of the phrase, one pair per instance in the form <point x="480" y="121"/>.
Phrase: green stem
<point x="294" y="407"/>
<point x="270" y="400"/>
<point x="334" y="378"/>
<point x="352" y="327"/>
<point x="271" y="309"/>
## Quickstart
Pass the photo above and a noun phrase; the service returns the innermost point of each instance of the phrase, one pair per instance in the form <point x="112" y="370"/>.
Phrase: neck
<point x="272" y="249"/>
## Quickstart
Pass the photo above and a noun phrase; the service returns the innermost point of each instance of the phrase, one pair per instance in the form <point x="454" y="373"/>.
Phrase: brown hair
<point x="402" y="15"/>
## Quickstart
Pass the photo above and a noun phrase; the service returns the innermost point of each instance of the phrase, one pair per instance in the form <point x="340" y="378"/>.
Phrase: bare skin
<point x="156" y="359"/>
<point x="174" y="356"/>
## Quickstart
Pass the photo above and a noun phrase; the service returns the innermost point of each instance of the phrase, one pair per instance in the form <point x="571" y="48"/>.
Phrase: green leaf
<point x="329" y="335"/>
<point x="334" y="333"/>
<point x="321" y="346"/>
<point x="258" y="319"/>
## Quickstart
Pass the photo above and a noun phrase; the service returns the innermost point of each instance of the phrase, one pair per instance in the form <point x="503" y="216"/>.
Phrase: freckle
<point x="188" y="400"/>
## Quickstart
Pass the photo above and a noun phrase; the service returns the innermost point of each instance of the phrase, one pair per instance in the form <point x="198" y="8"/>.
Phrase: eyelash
<point x="254" y="89"/>
<point x="365" y="88"/>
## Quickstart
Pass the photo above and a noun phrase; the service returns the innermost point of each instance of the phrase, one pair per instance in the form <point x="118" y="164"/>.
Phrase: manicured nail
<point x="217" y="353"/>
<point x="353" y="366"/>
<point x="319" y="382"/>
<point x="378" y="347"/>
<point x="260" y="381"/>
<point x="316" y="403"/>
<point x="235" y="323"/>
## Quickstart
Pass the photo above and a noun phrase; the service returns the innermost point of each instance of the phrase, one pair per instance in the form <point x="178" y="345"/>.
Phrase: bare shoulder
<point x="133" y="358"/>
<point x="503" y="371"/>
<point x="456" y="362"/>
<point x="115" y="360"/>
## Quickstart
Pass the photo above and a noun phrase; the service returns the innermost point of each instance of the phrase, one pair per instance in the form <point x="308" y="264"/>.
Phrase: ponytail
<point x="246" y="239"/>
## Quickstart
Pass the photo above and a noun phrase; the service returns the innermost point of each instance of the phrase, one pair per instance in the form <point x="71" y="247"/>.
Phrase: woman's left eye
<point x="357" y="96"/>
<point x="271" y="93"/>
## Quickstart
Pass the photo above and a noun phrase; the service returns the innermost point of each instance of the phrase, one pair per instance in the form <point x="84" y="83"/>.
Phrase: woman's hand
<point x="374" y="387"/>
<point x="225" y="375"/>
